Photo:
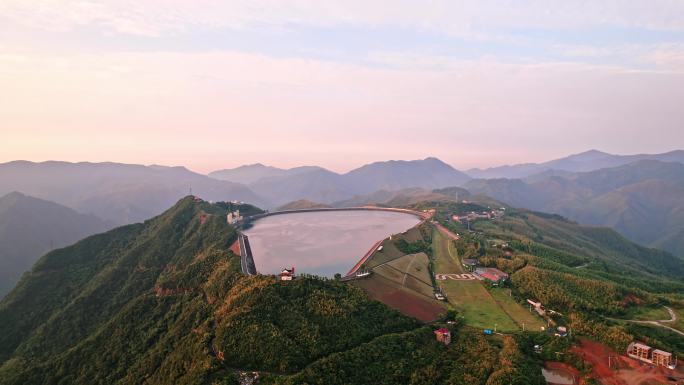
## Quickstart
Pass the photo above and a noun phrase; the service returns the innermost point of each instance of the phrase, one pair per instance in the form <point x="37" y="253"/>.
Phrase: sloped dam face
<point x="321" y="243"/>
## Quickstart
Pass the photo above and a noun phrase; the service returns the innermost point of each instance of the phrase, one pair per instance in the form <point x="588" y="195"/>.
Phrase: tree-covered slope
<point x="164" y="302"/>
<point x="592" y="277"/>
<point x="30" y="227"/>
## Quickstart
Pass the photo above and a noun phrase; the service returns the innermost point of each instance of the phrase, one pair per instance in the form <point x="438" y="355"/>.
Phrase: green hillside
<point x="643" y="200"/>
<point x="163" y="302"/>
<point x="30" y="227"/>
<point x="591" y="275"/>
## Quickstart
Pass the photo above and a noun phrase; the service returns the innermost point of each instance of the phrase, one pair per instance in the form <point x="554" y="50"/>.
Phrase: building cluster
<point x="472" y="216"/>
<point x="233" y="217"/>
<point x="561" y="331"/>
<point x="495" y="276"/>
<point x="647" y="354"/>
<point x="248" y="378"/>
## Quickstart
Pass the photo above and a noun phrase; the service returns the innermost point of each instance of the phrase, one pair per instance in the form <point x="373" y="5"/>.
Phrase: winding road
<point x="673" y="319"/>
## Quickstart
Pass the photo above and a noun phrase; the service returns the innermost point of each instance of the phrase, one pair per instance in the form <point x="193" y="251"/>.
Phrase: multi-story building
<point x="652" y="356"/>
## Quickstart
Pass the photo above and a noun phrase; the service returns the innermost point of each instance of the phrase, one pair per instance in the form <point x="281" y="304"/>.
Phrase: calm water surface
<point x="554" y="376"/>
<point x="321" y="243"/>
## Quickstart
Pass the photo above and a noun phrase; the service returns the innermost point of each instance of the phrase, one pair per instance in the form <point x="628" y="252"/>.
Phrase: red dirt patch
<point x="235" y="247"/>
<point x="623" y="370"/>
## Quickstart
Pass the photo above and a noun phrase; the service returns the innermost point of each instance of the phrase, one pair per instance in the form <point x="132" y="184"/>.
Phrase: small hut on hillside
<point x="287" y="274"/>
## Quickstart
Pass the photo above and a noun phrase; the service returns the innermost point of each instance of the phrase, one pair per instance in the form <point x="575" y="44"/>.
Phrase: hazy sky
<point x="215" y="84"/>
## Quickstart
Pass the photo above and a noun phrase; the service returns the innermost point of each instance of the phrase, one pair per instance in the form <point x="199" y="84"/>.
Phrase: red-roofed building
<point x="443" y="335"/>
<point x="495" y="276"/>
<point x="287" y="274"/>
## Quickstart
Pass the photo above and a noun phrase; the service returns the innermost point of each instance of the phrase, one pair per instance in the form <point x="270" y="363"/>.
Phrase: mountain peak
<point x="433" y="159"/>
<point x="14" y="194"/>
<point x="593" y="153"/>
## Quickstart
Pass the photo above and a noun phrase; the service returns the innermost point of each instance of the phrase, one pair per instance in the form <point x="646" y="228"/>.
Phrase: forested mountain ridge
<point x="116" y="192"/>
<point x="164" y="302"/>
<point x="29" y="227"/>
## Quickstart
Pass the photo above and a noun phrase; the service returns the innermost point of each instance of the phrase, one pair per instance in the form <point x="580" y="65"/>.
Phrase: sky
<point x="217" y="84"/>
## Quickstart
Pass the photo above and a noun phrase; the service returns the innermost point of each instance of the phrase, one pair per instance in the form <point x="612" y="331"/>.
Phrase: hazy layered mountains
<point x="320" y="185"/>
<point x="405" y="197"/>
<point x="253" y="172"/>
<point x="122" y="193"/>
<point x="587" y="161"/>
<point x="30" y="227"/>
<point x="643" y="200"/>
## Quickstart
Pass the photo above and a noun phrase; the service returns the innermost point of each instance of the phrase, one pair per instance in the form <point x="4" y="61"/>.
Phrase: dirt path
<point x="659" y="323"/>
<point x="445" y="231"/>
<point x="406" y="273"/>
<point x="673" y="316"/>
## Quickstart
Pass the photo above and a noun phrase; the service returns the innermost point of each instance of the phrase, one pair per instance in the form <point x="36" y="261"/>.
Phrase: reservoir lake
<point x="321" y="242"/>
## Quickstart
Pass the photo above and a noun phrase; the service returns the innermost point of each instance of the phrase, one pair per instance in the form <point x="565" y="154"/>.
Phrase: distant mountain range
<point x="30" y="227"/>
<point x="586" y="161"/>
<point x="320" y="185"/>
<point x="121" y="193"/>
<point x="643" y="200"/>
<point x="253" y="172"/>
<point x="638" y="195"/>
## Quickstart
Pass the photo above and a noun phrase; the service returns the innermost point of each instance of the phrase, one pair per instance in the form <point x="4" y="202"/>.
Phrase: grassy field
<point x="446" y="257"/>
<point x="470" y="298"/>
<point x="402" y="281"/>
<point x="679" y="325"/>
<point x="409" y="271"/>
<point x="413" y="264"/>
<point x="477" y="306"/>
<point x="646" y="313"/>
<point x="389" y="250"/>
<point x="403" y="299"/>
<point x="520" y="314"/>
